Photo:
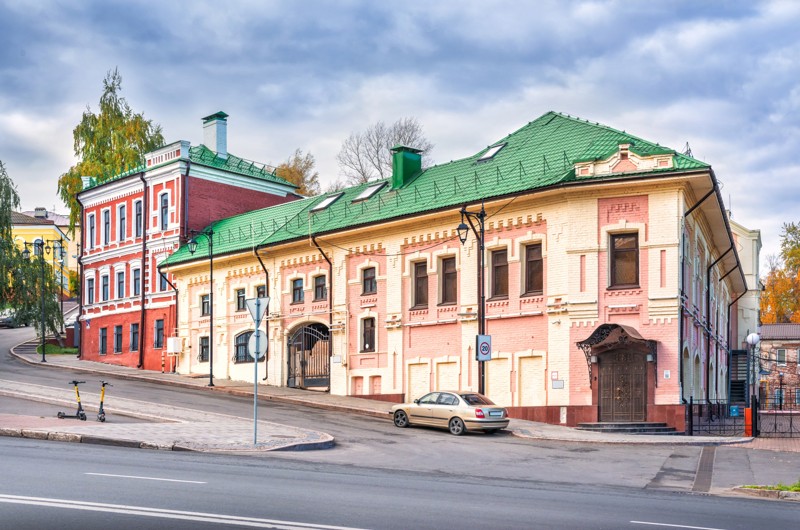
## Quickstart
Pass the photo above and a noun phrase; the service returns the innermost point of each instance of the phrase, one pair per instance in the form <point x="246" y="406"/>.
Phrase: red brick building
<point x="132" y="222"/>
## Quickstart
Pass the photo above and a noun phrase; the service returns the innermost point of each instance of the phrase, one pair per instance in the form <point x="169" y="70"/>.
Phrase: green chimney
<point x="406" y="162"/>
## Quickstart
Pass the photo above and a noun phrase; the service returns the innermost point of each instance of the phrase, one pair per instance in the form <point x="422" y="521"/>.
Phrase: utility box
<point x="174" y="345"/>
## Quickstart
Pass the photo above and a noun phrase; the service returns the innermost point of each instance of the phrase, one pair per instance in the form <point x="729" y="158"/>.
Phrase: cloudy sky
<point x="722" y="76"/>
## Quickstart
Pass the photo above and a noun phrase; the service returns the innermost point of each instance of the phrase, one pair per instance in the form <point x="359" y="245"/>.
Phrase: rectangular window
<point x="162" y="283"/>
<point x="158" y="337"/>
<point x="534" y="270"/>
<point x="106" y="226"/>
<point x="368" y="283"/>
<point x="203" y="357"/>
<point x="368" y="334"/>
<point x="624" y="260"/>
<point x="261" y="291"/>
<point x="123" y="221"/>
<point x="240" y="305"/>
<point x="134" y="345"/>
<point x="449" y="281"/>
<point x="780" y="357"/>
<point x="104" y="287"/>
<point x="90" y="240"/>
<point x="297" y="291"/>
<point x="499" y="274"/>
<point x="164" y="211"/>
<point x="205" y="304"/>
<point x="137" y="212"/>
<point x="103" y="341"/>
<point x="420" y="285"/>
<point x="90" y="291"/>
<point x="137" y="282"/>
<point x="320" y="289"/>
<point x="117" y="339"/>
<point x="120" y="284"/>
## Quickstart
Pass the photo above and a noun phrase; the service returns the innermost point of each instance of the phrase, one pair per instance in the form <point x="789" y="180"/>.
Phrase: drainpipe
<point x="683" y="290"/>
<point x="330" y="304"/>
<point x="708" y="322"/>
<point x="185" y="214"/>
<point x="145" y="270"/>
<point x="81" y="246"/>
<point x="266" y="320"/>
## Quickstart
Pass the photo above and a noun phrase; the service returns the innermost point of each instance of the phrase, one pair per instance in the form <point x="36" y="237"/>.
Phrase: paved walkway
<point x="185" y="429"/>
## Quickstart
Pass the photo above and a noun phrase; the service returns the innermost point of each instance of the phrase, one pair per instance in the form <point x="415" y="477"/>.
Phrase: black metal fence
<point x="779" y="413"/>
<point x="714" y="418"/>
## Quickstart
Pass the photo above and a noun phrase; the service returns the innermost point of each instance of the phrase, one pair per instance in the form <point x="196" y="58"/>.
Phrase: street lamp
<point x="39" y="248"/>
<point x="780" y="385"/>
<point x="192" y="249"/>
<point x="463" y="231"/>
<point x="752" y="339"/>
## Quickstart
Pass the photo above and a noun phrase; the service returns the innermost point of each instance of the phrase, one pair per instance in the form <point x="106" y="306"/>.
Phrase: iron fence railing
<point x="716" y="417"/>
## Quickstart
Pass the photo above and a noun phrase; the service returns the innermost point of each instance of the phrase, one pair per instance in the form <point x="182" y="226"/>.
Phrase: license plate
<point x="495" y="413"/>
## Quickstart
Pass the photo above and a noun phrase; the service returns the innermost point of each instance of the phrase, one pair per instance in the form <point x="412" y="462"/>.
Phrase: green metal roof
<point x="541" y="154"/>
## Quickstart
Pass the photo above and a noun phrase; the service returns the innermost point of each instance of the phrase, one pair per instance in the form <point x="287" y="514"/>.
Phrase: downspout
<point x="708" y="322"/>
<point x="330" y="303"/>
<point x="683" y="296"/>
<point x="81" y="246"/>
<point x="266" y="319"/>
<point x="145" y="270"/>
<point x="185" y="214"/>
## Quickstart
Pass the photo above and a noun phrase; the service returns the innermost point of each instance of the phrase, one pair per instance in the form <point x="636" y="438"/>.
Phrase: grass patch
<point x="53" y="349"/>
<point x="777" y="487"/>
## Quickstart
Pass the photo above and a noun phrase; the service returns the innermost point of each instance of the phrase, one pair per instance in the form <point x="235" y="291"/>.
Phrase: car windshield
<point x="476" y="399"/>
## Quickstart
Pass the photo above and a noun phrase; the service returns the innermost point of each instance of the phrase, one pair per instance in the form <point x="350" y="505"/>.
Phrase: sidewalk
<point x="185" y="429"/>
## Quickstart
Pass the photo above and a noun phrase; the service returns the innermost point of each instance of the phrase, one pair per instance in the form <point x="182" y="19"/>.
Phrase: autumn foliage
<point x="780" y="299"/>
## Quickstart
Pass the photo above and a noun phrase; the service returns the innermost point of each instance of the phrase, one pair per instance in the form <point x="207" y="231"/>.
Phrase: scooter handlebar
<point x="105" y="383"/>
<point x="76" y="382"/>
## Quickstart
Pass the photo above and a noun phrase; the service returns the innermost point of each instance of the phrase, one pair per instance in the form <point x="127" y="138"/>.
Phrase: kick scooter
<point x="79" y="414"/>
<point x="101" y="414"/>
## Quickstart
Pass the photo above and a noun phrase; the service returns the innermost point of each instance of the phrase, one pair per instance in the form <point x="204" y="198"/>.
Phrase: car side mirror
<point x="416" y="401"/>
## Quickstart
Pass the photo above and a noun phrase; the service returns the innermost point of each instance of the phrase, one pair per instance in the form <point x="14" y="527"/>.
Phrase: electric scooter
<point x="101" y="414"/>
<point x="79" y="414"/>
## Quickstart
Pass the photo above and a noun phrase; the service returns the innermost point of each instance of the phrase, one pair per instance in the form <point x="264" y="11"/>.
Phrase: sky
<point x="723" y="77"/>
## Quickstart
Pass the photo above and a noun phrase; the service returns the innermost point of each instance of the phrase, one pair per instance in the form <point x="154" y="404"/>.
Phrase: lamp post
<point x="780" y="394"/>
<point x="752" y="339"/>
<point x="192" y="249"/>
<point x="463" y="231"/>
<point x="39" y="248"/>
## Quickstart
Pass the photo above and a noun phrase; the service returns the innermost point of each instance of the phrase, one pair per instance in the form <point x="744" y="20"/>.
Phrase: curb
<point x="769" y="494"/>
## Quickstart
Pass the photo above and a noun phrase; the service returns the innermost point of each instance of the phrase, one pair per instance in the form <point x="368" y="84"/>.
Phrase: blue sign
<point x="734" y="410"/>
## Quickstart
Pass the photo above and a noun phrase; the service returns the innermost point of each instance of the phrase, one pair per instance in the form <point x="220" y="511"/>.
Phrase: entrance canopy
<point x="614" y="336"/>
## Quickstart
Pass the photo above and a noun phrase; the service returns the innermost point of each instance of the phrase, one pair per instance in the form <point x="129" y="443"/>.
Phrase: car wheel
<point x="401" y="419"/>
<point x="456" y="426"/>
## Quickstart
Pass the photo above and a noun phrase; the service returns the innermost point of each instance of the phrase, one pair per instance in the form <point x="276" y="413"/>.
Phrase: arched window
<point x="240" y="354"/>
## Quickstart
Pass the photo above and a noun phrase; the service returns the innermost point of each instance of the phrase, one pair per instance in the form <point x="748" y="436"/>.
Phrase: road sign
<point x="734" y="411"/>
<point x="257" y="345"/>
<point x="257" y="308"/>
<point x="483" y="348"/>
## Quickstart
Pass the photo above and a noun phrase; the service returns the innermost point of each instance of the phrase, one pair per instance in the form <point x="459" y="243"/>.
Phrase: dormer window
<point x="491" y="152"/>
<point x="369" y="192"/>
<point x="326" y="202"/>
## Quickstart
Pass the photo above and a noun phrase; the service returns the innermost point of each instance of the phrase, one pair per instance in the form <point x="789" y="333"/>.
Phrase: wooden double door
<point x="623" y="386"/>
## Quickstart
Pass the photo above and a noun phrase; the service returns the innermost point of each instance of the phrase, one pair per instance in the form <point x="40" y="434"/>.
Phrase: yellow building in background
<point x="29" y="230"/>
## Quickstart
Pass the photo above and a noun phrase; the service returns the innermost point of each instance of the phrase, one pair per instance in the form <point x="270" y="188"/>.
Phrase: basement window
<point x="491" y="152"/>
<point x="369" y="192"/>
<point x="326" y="202"/>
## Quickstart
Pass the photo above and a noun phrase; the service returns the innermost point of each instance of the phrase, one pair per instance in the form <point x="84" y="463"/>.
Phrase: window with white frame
<point x="120" y="284"/>
<point x="420" y="285"/>
<point x="123" y="223"/>
<point x="91" y="236"/>
<point x="137" y="212"/>
<point x="137" y="281"/>
<point x="104" y="287"/>
<point x="780" y="356"/>
<point x="163" y="202"/>
<point x="106" y="227"/>
<point x="90" y="291"/>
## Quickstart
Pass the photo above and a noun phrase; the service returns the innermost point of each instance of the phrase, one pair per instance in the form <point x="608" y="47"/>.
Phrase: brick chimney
<point x="215" y="133"/>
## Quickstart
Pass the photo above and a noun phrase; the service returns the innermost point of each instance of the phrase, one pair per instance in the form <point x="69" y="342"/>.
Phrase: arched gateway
<point x="309" y="357"/>
<point x="621" y="356"/>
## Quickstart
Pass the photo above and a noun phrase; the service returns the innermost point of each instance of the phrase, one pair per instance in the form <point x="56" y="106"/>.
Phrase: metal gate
<point x="779" y="413"/>
<point x="309" y="357"/>
<point x="623" y="388"/>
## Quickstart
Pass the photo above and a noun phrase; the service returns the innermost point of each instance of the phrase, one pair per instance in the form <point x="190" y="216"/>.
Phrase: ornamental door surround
<point x="622" y="357"/>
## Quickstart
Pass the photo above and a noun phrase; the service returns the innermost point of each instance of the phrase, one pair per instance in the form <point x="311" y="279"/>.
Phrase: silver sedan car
<point x="457" y="411"/>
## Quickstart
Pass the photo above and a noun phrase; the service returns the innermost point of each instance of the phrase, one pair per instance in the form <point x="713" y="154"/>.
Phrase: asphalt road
<point x="50" y="485"/>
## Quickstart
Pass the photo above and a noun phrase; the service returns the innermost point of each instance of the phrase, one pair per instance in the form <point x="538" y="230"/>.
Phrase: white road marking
<point x="146" y="478"/>
<point x="676" y="525"/>
<point x="166" y="514"/>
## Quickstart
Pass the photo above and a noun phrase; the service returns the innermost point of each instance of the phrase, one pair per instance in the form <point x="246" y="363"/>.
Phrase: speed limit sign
<point x="483" y="348"/>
